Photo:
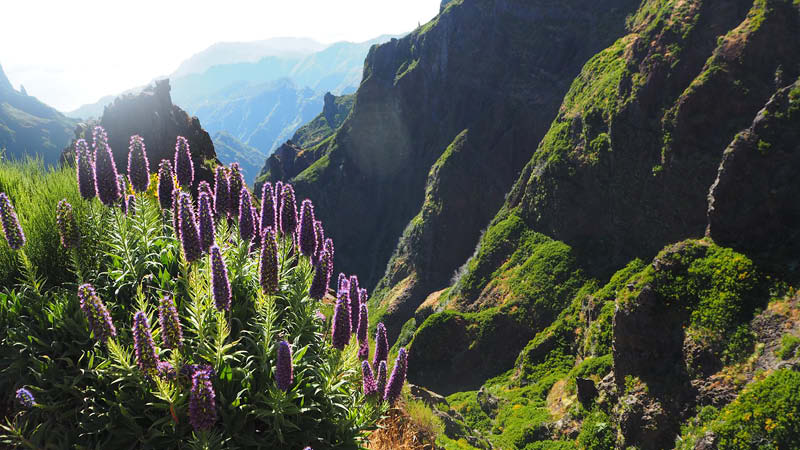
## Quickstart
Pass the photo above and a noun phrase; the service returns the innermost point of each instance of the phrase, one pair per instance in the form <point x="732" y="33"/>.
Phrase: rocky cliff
<point x="151" y="115"/>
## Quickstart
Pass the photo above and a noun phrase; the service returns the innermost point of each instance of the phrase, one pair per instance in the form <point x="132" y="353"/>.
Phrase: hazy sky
<point x="68" y="53"/>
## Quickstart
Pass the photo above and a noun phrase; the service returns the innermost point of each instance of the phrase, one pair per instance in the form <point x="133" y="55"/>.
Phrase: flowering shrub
<point x="176" y="332"/>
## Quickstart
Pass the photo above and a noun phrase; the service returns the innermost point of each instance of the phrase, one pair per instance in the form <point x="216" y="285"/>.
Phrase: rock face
<point x="753" y="204"/>
<point x="152" y="115"/>
<point x="29" y="127"/>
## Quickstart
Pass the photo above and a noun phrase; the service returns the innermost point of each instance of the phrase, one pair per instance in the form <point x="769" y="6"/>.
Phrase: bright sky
<point x="68" y="53"/>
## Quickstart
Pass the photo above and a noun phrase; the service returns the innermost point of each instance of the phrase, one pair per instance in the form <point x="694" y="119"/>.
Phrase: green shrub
<point x="597" y="432"/>
<point x="789" y="344"/>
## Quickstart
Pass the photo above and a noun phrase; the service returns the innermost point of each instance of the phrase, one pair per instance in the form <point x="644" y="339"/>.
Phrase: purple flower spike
<point x="146" y="357"/>
<point x="322" y="276"/>
<point x="381" y="345"/>
<point x="130" y="205"/>
<point x="203" y="186"/>
<point x="176" y="223"/>
<point x="288" y="215"/>
<point x="96" y="312"/>
<point x="67" y="226"/>
<point x="202" y="406"/>
<point x="11" y="227"/>
<point x="206" y="222"/>
<point x="246" y="225"/>
<point x="283" y="372"/>
<point x="235" y="186"/>
<point x="220" y="285"/>
<point x="105" y="171"/>
<point x="395" y="385"/>
<point x="353" y="303"/>
<point x="307" y="235"/>
<point x="277" y="194"/>
<point x="269" y="262"/>
<point x="166" y="371"/>
<point x="84" y="163"/>
<point x="25" y="398"/>
<point x="362" y="296"/>
<point x="319" y="235"/>
<point x="256" y="243"/>
<point x="368" y="380"/>
<point x="381" y="381"/>
<point x="171" y="333"/>
<point x="166" y="185"/>
<point x="138" y="166"/>
<point x="329" y="248"/>
<point x="189" y="234"/>
<point x="340" y="335"/>
<point x="361" y="333"/>
<point x="222" y="192"/>
<point x="184" y="168"/>
<point x="343" y="284"/>
<point x="267" y="207"/>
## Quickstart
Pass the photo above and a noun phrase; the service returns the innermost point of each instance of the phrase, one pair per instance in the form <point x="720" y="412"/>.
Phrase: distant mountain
<point x="28" y="126"/>
<point x="229" y="148"/>
<point x="236" y="52"/>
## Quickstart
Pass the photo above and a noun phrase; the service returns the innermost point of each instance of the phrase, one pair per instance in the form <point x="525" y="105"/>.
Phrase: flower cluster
<point x="67" y="226"/>
<point x="354" y="306"/>
<point x="84" y="163"/>
<point x="171" y="333"/>
<point x="368" y="380"/>
<point x="268" y="207"/>
<point x="206" y="225"/>
<point x="340" y="335"/>
<point x="96" y="312"/>
<point x="220" y="285"/>
<point x="283" y="371"/>
<point x="105" y="170"/>
<point x="269" y="262"/>
<point x="138" y="165"/>
<point x="395" y="385"/>
<point x="380" y="382"/>
<point x="184" y="168"/>
<point x="146" y="356"/>
<point x="361" y="333"/>
<point x="166" y="184"/>
<point x="322" y="276"/>
<point x="222" y="192"/>
<point x="189" y="234"/>
<point x="246" y="225"/>
<point x="381" y="345"/>
<point x="288" y="213"/>
<point x="11" y="227"/>
<point x="25" y="398"/>
<point x="235" y="186"/>
<point x="202" y="406"/>
<point x="306" y="234"/>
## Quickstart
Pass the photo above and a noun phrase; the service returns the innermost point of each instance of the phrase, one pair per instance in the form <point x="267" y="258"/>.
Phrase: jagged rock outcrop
<point x="30" y="127"/>
<point x="753" y="204"/>
<point x="151" y="115"/>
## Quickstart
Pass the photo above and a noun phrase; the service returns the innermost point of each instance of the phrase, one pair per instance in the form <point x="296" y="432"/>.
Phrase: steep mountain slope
<point x="496" y="69"/>
<point x="29" y="127"/>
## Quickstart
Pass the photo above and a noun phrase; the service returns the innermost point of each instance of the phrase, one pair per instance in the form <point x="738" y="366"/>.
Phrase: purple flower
<point x="146" y="357"/>
<point x="246" y="225"/>
<point x="176" y="225"/>
<point x="381" y="345"/>
<point x="184" y="168"/>
<point x="235" y="185"/>
<point x="368" y="380"/>
<point x="189" y="234"/>
<point x="267" y="206"/>
<point x="322" y="275"/>
<point x="105" y="172"/>
<point x="67" y="226"/>
<point x="362" y="296"/>
<point x="288" y="214"/>
<point x="84" y="163"/>
<point x="283" y="371"/>
<point x="222" y="192"/>
<point x="206" y="221"/>
<point x="171" y="333"/>
<point x="25" y="398"/>
<point x="353" y="303"/>
<point x="203" y="186"/>
<point x="11" y="227"/>
<point x="166" y="371"/>
<point x="319" y="235"/>
<point x="202" y="407"/>
<point x="343" y="283"/>
<point x="307" y="235"/>
<point x="166" y="185"/>
<point x="340" y="335"/>
<point x="188" y="370"/>
<point x="361" y="333"/>
<point x="395" y="385"/>
<point x="130" y="205"/>
<point x="220" y="285"/>
<point x="329" y="248"/>
<point x="269" y="262"/>
<point x="277" y="192"/>
<point x="138" y="166"/>
<point x="381" y="381"/>
<point x="256" y="243"/>
<point x="96" y="313"/>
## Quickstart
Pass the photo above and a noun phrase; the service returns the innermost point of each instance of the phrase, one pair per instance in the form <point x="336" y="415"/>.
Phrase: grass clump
<point x="788" y="349"/>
